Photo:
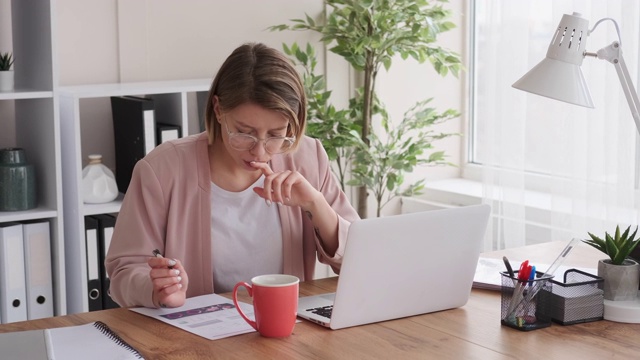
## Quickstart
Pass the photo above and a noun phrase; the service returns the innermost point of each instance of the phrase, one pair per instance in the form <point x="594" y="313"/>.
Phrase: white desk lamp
<point x="558" y="75"/>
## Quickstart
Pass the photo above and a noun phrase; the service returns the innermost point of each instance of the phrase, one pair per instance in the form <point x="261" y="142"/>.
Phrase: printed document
<point x="210" y="316"/>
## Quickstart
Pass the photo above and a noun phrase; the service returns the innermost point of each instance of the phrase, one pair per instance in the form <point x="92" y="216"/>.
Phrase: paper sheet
<point x="210" y="316"/>
<point x="489" y="269"/>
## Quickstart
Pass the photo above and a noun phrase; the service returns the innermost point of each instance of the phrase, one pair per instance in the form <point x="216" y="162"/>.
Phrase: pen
<point x="523" y="277"/>
<point x="556" y="263"/>
<point x="508" y="266"/>
<point x="532" y="275"/>
<point x="157" y="254"/>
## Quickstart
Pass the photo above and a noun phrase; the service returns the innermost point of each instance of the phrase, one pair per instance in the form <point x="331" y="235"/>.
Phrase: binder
<point x="94" y="285"/>
<point x="13" y="295"/>
<point x="166" y="132"/>
<point x="134" y="132"/>
<point x="37" y="263"/>
<point x="106" y="224"/>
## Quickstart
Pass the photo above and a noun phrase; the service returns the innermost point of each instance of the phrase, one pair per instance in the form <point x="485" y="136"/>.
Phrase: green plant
<point x="617" y="247"/>
<point x="380" y="166"/>
<point x="370" y="33"/>
<point x="6" y="60"/>
<point x="324" y="122"/>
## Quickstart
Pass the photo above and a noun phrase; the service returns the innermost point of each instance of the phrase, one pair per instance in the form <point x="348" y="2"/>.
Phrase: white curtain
<point x="551" y="170"/>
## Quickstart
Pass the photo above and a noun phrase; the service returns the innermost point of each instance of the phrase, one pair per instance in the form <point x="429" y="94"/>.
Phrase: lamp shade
<point x="558" y="75"/>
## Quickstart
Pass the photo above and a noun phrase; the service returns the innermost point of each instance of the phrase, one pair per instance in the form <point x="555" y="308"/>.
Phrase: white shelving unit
<point x="33" y="109"/>
<point x="177" y="102"/>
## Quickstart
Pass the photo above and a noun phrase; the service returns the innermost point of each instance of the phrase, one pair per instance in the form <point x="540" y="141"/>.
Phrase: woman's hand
<point x="286" y="187"/>
<point x="292" y="189"/>
<point x="170" y="282"/>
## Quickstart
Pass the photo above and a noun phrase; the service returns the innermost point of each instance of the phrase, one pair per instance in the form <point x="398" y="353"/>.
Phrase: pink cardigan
<point x="167" y="206"/>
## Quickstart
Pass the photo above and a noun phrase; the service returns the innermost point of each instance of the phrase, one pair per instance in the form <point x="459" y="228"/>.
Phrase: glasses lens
<point x="242" y="141"/>
<point x="278" y="145"/>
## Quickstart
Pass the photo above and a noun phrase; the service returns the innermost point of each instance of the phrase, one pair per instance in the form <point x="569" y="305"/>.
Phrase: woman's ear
<point x="216" y="107"/>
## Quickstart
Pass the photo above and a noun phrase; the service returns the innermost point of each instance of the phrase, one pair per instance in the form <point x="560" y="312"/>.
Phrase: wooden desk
<point x="469" y="332"/>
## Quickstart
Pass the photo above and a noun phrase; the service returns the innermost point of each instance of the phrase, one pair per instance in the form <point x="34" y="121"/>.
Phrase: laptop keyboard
<point x="323" y="311"/>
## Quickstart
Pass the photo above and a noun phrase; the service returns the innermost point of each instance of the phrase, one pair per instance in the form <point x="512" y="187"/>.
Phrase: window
<point x="544" y="164"/>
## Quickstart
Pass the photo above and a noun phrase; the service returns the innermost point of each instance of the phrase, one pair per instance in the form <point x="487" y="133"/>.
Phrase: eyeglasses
<point x="272" y="145"/>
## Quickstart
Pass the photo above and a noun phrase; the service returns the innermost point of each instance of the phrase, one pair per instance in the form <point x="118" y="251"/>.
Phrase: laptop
<point x="403" y="265"/>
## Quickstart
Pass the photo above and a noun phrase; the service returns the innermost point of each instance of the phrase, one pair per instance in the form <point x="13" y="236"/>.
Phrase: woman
<point x="251" y="195"/>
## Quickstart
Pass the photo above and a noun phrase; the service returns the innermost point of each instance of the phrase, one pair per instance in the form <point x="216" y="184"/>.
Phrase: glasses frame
<point x="256" y="140"/>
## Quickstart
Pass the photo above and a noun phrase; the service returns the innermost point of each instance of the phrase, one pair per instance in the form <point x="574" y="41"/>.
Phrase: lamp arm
<point x="613" y="54"/>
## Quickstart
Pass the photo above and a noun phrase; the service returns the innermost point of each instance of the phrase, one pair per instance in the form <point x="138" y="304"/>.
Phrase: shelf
<point x="31" y="110"/>
<point x="106" y="208"/>
<point x="86" y="128"/>
<point x="26" y="215"/>
<point x="54" y="124"/>
<point x="19" y="94"/>
<point x="136" y="88"/>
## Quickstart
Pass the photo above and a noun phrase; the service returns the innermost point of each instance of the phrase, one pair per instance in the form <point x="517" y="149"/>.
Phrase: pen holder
<point x="580" y="298"/>
<point x="522" y="307"/>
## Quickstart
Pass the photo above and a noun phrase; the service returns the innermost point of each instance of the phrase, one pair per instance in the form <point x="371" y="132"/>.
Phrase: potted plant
<point x="621" y="274"/>
<point x="369" y="35"/>
<point x="6" y="74"/>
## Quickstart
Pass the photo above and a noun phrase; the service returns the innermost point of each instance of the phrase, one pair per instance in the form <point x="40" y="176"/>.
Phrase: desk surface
<point x="470" y="332"/>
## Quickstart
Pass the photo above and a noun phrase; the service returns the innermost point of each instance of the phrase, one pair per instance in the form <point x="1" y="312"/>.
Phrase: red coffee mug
<point x="275" y="303"/>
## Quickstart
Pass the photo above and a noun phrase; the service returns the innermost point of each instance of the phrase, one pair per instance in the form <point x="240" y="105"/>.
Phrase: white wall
<point x="408" y="82"/>
<point x="140" y="40"/>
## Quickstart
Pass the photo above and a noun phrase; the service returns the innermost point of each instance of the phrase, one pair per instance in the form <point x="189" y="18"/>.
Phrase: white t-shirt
<point x="246" y="236"/>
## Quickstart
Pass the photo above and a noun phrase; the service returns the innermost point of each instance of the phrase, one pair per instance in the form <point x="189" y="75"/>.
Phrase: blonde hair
<point x="255" y="73"/>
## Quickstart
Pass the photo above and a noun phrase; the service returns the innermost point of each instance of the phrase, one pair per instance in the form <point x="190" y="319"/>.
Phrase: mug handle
<point x="235" y="302"/>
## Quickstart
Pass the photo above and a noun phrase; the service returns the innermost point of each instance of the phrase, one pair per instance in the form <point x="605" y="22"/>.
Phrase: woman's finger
<point x="162" y="283"/>
<point x="277" y="181"/>
<point x="267" y="172"/>
<point x="266" y="169"/>
<point x="287" y="186"/>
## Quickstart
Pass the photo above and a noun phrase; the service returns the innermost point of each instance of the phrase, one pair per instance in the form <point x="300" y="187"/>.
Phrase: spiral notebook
<point x="95" y="341"/>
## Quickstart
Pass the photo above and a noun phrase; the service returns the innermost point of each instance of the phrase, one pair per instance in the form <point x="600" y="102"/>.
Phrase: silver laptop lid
<point x="408" y="264"/>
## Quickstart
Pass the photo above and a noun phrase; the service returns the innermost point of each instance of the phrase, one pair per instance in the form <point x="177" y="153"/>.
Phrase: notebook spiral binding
<point x="106" y="330"/>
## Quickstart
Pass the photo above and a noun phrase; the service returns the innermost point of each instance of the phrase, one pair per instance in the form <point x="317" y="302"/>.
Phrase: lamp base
<point x="623" y="311"/>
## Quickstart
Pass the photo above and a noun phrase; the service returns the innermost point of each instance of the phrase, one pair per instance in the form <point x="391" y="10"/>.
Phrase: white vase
<point x="98" y="182"/>
<point x="6" y="80"/>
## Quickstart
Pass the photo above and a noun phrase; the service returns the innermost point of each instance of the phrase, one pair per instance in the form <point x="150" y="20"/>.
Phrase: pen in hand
<point x="157" y="254"/>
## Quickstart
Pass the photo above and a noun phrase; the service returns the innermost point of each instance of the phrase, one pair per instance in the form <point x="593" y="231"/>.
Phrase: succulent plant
<point x="6" y="60"/>
<point x="618" y="247"/>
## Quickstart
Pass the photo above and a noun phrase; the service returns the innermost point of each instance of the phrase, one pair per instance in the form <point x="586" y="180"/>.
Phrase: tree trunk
<point x="369" y="81"/>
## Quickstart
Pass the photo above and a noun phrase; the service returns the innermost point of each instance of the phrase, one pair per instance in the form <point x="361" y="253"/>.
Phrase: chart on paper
<point x="210" y="316"/>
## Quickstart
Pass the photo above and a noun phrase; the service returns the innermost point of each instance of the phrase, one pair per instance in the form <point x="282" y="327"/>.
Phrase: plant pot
<point x="635" y="255"/>
<point x="620" y="281"/>
<point x="6" y="80"/>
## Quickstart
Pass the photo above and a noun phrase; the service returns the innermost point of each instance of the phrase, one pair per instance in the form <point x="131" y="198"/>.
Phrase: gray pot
<point x="6" y="80"/>
<point x="620" y="281"/>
